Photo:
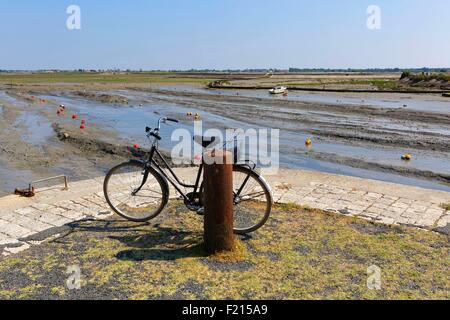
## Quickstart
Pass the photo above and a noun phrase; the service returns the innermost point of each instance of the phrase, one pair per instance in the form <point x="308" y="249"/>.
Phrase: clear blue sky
<point x="184" y="34"/>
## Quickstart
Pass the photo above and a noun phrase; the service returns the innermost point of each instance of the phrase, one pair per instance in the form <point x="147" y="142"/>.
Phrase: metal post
<point x="218" y="184"/>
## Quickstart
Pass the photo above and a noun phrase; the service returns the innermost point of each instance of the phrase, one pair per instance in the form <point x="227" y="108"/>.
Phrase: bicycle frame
<point x="151" y="162"/>
<point x="161" y="169"/>
<point x="175" y="182"/>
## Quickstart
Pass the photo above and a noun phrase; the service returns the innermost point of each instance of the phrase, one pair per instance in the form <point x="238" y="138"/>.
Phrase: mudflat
<point x="352" y="134"/>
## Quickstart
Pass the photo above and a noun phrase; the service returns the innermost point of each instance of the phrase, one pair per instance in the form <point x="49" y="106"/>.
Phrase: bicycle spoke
<point x="252" y="205"/>
<point x="132" y="198"/>
<point x="146" y="197"/>
<point x="252" y="196"/>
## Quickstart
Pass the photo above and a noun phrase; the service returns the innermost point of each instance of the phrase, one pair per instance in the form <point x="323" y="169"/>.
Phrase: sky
<point x="226" y="34"/>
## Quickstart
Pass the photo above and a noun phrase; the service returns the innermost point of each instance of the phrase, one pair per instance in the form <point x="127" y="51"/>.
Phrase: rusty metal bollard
<point x="218" y="188"/>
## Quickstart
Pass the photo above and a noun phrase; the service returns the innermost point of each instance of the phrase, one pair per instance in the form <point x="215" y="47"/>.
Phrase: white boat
<point x="278" y="90"/>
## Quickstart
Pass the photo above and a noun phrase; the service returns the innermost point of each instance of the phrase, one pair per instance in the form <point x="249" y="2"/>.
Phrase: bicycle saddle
<point x="204" y="141"/>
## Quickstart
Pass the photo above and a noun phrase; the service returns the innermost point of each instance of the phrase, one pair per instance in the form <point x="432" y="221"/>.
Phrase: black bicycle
<point x="138" y="190"/>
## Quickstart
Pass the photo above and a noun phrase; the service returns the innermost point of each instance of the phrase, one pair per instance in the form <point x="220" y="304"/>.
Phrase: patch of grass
<point x="58" y="291"/>
<point x="445" y="206"/>
<point x="238" y="253"/>
<point x="24" y="292"/>
<point x="301" y="84"/>
<point x="444" y="77"/>
<point x="290" y="206"/>
<point x="380" y="84"/>
<point x="299" y="254"/>
<point x="81" y="77"/>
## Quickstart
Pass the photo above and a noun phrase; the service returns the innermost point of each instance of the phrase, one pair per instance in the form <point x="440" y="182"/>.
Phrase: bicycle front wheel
<point x="134" y="192"/>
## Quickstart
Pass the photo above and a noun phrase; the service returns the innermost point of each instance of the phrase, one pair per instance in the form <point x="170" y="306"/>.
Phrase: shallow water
<point x="12" y="100"/>
<point x="11" y="178"/>
<point x="430" y="103"/>
<point x="129" y="122"/>
<point x="36" y="129"/>
<point x="293" y="141"/>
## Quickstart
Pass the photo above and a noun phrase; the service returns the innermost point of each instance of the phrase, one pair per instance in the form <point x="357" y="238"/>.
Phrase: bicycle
<point x="138" y="190"/>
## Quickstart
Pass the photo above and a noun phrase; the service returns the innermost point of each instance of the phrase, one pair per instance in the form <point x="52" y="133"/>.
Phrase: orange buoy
<point x="308" y="142"/>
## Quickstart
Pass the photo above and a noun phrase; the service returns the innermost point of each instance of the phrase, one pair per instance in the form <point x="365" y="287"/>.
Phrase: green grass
<point x="299" y="254"/>
<point x="445" y="206"/>
<point x="80" y="77"/>
<point x="301" y="84"/>
<point x="426" y="77"/>
<point x="289" y="207"/>
<point x="379" y="84"/>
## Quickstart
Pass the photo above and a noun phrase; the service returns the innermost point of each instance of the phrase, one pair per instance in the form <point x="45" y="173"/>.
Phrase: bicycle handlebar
<point x="155" y="132"/>
<point x="156" y="135"/>
<point x="164" y="120"/>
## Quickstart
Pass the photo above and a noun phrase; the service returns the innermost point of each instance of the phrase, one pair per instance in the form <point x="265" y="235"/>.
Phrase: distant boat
<point x="278" y="90"/>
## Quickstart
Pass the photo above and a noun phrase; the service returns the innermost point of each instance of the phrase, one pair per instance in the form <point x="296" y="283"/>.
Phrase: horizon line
<point x="290" y="69"/>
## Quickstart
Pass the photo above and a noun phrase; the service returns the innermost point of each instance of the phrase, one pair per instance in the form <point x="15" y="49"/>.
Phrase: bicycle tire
<point x="162" y="182"/>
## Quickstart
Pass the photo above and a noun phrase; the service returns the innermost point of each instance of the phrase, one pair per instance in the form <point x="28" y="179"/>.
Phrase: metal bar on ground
<point x="66" y="182"/>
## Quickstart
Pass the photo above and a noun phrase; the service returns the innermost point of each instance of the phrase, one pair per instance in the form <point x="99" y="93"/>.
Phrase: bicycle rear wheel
<point x="132" y="198"/>
<point x="252" y="200"/>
